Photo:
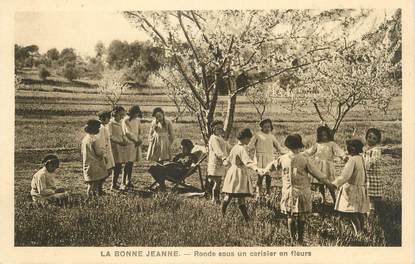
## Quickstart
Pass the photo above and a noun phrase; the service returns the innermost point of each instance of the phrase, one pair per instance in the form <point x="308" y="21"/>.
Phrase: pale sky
<point x="82" y="30"/>
<point x="78" y="30"/>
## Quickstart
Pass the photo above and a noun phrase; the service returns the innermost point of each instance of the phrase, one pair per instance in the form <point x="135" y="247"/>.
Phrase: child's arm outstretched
<point x="316" y="173"/>
<point x="217" y="150"/>
<point x="43" y="187"/>
<point x="311" y="151"/>
<point x="248" y="162"/>
<point x="281" y="149"/>
<point x="346" y="173"/>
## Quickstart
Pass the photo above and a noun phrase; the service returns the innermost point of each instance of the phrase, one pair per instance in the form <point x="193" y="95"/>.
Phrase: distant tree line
<point x="137" y="60"/>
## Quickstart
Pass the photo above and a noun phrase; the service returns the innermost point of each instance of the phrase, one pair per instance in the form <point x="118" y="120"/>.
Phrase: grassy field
<point x="53" y="120"/>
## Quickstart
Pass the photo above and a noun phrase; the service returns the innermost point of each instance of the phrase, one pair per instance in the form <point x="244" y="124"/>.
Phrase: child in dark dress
<point x="175" y="168"/>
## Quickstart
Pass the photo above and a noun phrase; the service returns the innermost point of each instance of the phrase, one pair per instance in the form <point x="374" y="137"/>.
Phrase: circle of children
<point x="115" y="140"/>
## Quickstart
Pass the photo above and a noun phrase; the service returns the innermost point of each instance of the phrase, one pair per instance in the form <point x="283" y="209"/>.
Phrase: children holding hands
<point x="218" y="150"/>
<point x="264" y="143"/>
<point x="296" y="199"/>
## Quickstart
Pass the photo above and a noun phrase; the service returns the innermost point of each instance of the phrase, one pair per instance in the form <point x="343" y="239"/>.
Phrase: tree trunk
<point x="230" y="113"/>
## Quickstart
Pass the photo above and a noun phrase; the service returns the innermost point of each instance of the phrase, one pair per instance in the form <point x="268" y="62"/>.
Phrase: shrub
<point x="70" y="71"/>
<point x="43" y="73"/>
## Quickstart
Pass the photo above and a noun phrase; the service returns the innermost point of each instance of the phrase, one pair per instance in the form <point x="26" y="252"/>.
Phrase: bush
<point x="43" y="73"/>
<point x="70" y="71"/>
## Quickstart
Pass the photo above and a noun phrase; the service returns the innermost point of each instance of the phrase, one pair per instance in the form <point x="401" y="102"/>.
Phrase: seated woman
<point x="175" y="168"/>
<point x="43" y="182"/>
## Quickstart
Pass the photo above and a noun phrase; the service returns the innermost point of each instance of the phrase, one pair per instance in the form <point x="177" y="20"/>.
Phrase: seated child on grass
<point x="43" y="182"/>
<point x="175" y="168"/>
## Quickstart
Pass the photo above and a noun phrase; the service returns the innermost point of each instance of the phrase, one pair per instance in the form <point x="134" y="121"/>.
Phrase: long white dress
<point x="160" y="140"/>
<point x="237" y="179"/>
<point x="105" y="142"/>
<point x="218" y="151"/>
<point x="352" y="196"/>
<point x="93" y="164"/>
<point x="264" y="145"/>
<point x="134" y="130"/>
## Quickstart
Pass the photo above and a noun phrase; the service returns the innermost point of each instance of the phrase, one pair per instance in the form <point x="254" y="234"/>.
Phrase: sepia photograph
<point x="208" y="128"/>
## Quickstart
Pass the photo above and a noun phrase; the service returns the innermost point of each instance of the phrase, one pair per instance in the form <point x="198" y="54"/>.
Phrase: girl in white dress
<point x="133" y="132"/>
<point x="218" y="151"/>
<point x="160" y="137"/>
<point x="237" y="183"/>
<point x="105" y="141"/>
<point x="324" y="151"/>
<point x="93" y="164"/>
<point x="264" y="143"/>
<point x="118" y="144"/>
<point x="352" y="201"/>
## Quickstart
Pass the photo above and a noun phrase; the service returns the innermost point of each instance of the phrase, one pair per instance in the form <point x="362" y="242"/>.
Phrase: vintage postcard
<point x="212" y="132"/>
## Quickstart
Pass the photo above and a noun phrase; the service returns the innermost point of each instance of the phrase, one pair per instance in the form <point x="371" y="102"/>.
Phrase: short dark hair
<point x="294" y="141"/>
<point x="263" y="122"/>
<point x="187" y="143"/>
<point x="215" y="123"/>
<point x="157" y="110"/>
<point x="354" y="146"/>
<point x="321" y="130"/>
<point x="376" y="132"/>
<point x="51" y="158"/>
<point x="104" y="115"/>
<point x="244" y="133"/>
<point x="117" y="109"/>
<point x="135" y="109"/>
<point x="92" y="126"/>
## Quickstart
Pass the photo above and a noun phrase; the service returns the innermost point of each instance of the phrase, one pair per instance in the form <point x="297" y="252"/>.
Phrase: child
<point x="94" y="166"/>
<point x="352" y="201"/>
<point x="43" y="182"/>
<point x="264" y="143"/>
<point x="132" y="129"/>
<point x="160" y="137"/>
<point x="218" y="151"/>
<point x="118" y="144"/>
<point x="296" y="198"/>
<point x="324" y="152"/>
<point x="237" y="182"/>
<point x="175" y="168"/>
<point x="105" y="141"/>
<point x="372" y="155"/>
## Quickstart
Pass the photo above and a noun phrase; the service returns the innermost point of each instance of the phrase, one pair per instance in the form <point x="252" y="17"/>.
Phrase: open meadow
<point x="50" y="117"/>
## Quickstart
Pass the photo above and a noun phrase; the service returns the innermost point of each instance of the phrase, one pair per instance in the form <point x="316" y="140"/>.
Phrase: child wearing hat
<point x="352" y="200"/>
<point x="324" y="151"/>
<point x="118" y="143"/>
<point x="218" y="151"/>
<point x="133" y="132"/>
<point x="93" y="163"/>
<point x="237" y="183"/>
<point x="296" y="196"/>
<point x="264" y="143"/>
<point x="43" y="182"/>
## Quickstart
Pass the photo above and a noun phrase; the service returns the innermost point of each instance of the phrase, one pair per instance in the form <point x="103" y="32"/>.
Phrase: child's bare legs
<point x="268" y="183"/>
<point x="322" y="191"/>
<point x="292" y="227"/>
<point x="259" y="186"/>
<point x="215" y="183"/>
<point x="300" y="228"/>
<point x="126" y="177"/>
<point x="226" y="200"/>
<point x="90" y="190"/>
<point x="243" y="209"/>
<point x="117" y="172"/>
